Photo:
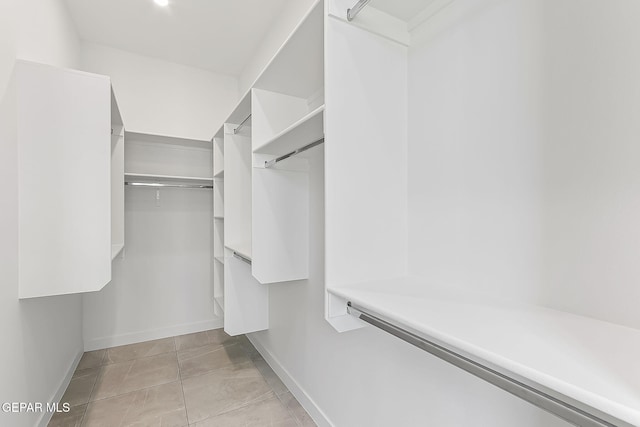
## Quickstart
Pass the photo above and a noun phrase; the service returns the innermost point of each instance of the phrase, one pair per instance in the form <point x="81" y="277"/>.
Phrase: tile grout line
<point x="99" y="368"/>
<point x="184" y="398"/>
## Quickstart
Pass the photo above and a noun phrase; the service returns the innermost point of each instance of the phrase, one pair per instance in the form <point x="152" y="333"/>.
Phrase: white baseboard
<point x="152" y="334"/>
<point x="307" y="403"/>
<point x="62" y="387"/>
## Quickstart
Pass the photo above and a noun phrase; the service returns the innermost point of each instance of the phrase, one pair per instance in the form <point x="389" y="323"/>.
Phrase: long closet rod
<point x="583" y="416"/>
<point x="163" y="185"/>
<point x="236" y="130"/>
<point x="353" y="12"/>
<point x="269" y="163"/>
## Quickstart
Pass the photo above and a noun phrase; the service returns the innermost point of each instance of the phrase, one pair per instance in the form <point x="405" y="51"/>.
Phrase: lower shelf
<point x="246" y="300"/>
<point x="578" y="361"/>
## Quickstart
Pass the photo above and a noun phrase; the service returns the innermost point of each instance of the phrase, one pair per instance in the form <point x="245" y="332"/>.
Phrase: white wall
<point x="474" y="133"/>
<point x="292" y="13"/>
<point x="162" y="97"/>
<point x="523" y="140"/>
<point x="163" y="284"/>
<point x="368" y="378"/>
<point x="42" y="338"/>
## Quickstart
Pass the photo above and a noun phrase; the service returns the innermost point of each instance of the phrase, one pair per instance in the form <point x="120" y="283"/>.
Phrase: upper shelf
<point x="145" y="177"/>
<point x="308" y="129"/>
<point x="297" y="69"/>
<point x="166" y="139"/>
<point x="581" y="360"/>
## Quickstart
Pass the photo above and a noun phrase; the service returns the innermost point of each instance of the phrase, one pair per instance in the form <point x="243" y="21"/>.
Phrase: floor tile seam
<point x="84" y="413"/>
<point x="211" y="371"/>
<point x="134" y="391"/>
<point x="140" y="358"/>
<point x="218" y="347"/>
<point x="258" y="400"/>
<point x="231" y="342"/>
<point x="182" y="359"/>
<point x="289" y="409"/>
<point x="243" y="405"/>
<point x="184" y="398"/>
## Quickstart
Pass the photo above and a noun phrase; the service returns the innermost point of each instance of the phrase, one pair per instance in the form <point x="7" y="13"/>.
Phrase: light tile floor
<point x="204" y="379"/>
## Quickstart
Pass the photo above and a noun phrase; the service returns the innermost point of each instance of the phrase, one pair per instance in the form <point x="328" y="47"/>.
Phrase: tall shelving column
<point x="218" y="222"/>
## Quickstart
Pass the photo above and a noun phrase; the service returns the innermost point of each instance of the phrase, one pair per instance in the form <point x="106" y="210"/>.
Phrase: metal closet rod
<point x="163" y="185"/>
<point x="353" y="12"/>
<point x="242" y="257"/>
<point x="269" y="163"/>
<point x="582" y="417"/>
<point x="236" y="130"/>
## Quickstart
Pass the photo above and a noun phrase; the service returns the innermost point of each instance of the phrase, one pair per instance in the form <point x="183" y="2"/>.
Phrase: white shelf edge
<point x="431" y="313"/>
<point x="220" y="259"/>
<point x="219" y="217"/>
<point x="167" y="177"/>
<point x="166" y="139"/>
<point x="310" y="116"/>
<point x="116" y="249"/>
<point x="219" y="174"/>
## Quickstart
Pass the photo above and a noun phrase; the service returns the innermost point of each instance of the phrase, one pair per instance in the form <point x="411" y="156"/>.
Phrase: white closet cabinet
<point x="117" y="179"/>
<point x="480" y="197"/>
<point x="64" y="180"/>
<point x="218" y="222"/>
<point x="263" y="180"/>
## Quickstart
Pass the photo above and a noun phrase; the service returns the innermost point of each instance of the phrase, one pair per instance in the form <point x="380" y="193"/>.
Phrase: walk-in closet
<point x="320" y="213"/>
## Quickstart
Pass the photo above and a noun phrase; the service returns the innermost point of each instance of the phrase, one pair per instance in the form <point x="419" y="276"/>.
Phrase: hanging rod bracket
<point x="269" y="163"/>
<point x="237" y="129"/>
<point x="353" y="12"/>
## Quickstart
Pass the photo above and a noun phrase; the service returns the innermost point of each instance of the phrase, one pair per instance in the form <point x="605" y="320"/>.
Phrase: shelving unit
<point x="482" y="248"/>
<point x="117" y="179"/>
<point x="266" y="211"/>
<point x="153" y="178"/>
<point x="218" y="222"/>
<point x="67" y="175"/>
<point x="308" y="129"/>
<point x="551" y="352"/>
<point x="165" y="158"/>
<point x="237" y="206"/>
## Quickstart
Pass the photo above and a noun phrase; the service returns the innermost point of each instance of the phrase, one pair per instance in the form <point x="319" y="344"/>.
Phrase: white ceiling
<point x="403" y="9"/>
<point x="217" y="35"/>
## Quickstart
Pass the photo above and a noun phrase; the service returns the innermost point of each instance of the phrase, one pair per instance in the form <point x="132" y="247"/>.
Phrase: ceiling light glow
<point x="162" y="3"/>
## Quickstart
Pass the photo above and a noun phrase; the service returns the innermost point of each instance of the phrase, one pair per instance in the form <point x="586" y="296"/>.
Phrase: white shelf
<point x="297" y="69"/>
<point x="166" y="139"/>
<point x="219" y="174"/>
<point x="583" y="359"/>
<point x="220" y="259"/>
<point x="241" y="249"/>
<point x="152" y="177"/>
<point x="116" y="249"/>
<point x="308" y="129"/>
